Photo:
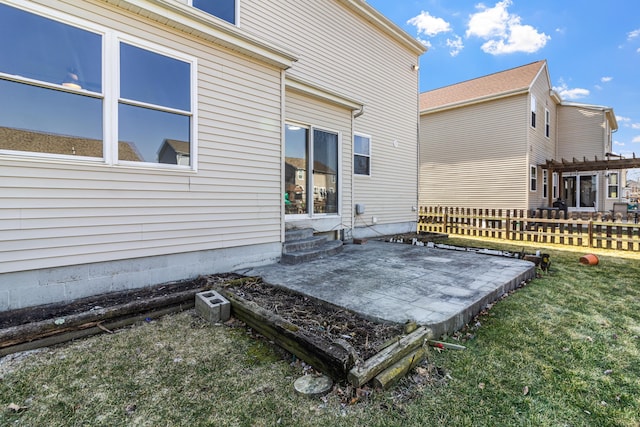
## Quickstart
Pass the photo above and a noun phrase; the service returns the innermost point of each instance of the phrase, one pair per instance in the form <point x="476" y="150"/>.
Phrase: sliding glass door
<point x="311" y="171"/>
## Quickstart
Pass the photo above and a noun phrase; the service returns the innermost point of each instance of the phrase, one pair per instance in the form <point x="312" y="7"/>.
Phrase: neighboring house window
<point x="223" y="9"/>
<point x="545" y="183"/>
<point x="533" y="111"/>
<point x="361" y="154"/>
<point x="54" y="94"/>
<point x="547" y="123"/>
<point x="555" y="185"/>
<point x="533" y="177"/>
<point x="612" y="185"/>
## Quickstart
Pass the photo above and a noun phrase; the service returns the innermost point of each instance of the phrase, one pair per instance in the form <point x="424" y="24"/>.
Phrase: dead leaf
<point x="16" y="408"/>
<point x="525" y="390"/>
<point x="589" y="339"/>
<point x="608" y="372"/>
<point x="481" y="386"/>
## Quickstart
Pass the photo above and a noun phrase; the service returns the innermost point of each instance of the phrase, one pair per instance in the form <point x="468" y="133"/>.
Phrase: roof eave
<point x="385" y="24"/>
<point x="200" y="24"/>
<point x="479" y="100"/>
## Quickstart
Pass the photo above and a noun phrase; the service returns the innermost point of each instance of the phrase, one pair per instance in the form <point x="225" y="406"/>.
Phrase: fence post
<point x="590" y="233"/>
<point x="507" y="226"/>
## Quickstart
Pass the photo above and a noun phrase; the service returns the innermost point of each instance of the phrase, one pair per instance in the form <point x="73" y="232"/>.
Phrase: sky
<point x="592" y="48"/>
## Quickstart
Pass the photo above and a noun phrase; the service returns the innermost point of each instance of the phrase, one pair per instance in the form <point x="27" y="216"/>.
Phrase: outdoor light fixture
<point x="415" y="67"/>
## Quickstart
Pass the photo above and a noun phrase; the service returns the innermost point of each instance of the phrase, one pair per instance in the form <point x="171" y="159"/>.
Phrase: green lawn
<point x="562" y="351"/>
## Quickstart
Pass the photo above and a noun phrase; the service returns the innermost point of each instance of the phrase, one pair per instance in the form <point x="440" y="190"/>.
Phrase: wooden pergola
<point x="575" y="165"/>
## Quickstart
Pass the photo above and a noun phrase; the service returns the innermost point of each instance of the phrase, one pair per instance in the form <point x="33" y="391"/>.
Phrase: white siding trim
<point x="324" y="94"/>
<point x="193" y="21"/>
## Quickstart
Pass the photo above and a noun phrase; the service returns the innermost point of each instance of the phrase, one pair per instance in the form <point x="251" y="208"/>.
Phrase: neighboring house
<point x="213" y="98"/>
<point x="485" y="143"/>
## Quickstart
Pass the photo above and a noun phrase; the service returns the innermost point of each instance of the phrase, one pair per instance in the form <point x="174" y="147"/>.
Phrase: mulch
<point x="318" y="318"/>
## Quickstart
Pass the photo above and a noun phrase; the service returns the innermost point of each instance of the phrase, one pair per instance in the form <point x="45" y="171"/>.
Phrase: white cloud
<point x="456" y="45"/>
<point x="621" y="144"/>
<point x="429" y="25"/>
<point x="633" y="34"/>
<point x="636" y="139"/>
<point x="606" y="79"/>
<point x="566" y="93"/>
<point x="635" y="126"/>
<point x="638" y="50"/>
<point x="623" y="119"/>
<point x="503" y="31"/>
<point x="426" y="43"/>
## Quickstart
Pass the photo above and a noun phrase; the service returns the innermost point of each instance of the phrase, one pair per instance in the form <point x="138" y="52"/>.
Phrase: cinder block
<point x="213" y="307"/>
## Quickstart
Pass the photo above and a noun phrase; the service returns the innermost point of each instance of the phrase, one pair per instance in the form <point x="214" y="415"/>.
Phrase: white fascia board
<point x="385" y="25"/>
<point x="299" y="85"/>
<point x="200" y="24"/>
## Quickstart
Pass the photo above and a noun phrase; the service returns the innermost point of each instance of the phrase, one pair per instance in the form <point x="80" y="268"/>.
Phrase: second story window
<point x="533" y="111"/>
<point x="547" y="123"/>
<point x="612" y="185"/>
<point x="223" y="9"/>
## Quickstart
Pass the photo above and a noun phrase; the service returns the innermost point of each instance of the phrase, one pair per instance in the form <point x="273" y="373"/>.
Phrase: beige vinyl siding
<point x="344" y="53"/>
<point x="541" y="148"/>
<point x="313" y="112"/>
<point x="55" y="213"/>
<point x="485" y="144"/>
<point x="583" y="132"/>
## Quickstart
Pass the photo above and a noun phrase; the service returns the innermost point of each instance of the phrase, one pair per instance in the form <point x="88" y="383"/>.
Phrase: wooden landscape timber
<point x="390" y="376"/>
<point x="55" y="331"/>
<point x="327" y="357"/>
<point x="362" y="374"/>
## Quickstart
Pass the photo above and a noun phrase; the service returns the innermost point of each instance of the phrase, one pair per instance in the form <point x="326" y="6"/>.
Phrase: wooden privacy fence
<point x="589" y="230"/>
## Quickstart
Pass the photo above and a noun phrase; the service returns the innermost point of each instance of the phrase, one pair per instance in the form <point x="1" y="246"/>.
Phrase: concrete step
<point x="298" y="234"/>
<point x="328" y="248"/>
<point x="308" y="243"/>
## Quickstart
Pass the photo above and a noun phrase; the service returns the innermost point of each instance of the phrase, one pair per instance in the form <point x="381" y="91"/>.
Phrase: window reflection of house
<point x="42" y="142"/>
<point x="174" y="152"/>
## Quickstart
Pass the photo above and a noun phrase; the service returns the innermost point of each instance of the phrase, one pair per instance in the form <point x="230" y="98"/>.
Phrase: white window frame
<point x="545" y="183"/>
<point x="534" y="108"/>
<point x="554" y="178"/>
<point x="609" y="185"/>
<point x="533" y="178"/>
<point x="368" y="156"/>
<point x="110" y="90"/>
<point x="547" y="123"/>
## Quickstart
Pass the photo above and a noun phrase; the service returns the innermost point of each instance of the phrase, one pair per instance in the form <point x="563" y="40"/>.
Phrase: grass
<point x="563" y="350"/>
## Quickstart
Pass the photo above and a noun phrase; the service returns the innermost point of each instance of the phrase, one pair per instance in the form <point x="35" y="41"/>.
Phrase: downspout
<point x="354" y="116"/>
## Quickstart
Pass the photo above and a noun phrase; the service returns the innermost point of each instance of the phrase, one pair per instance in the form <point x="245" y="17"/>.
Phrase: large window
<point x="223" y="9"/>
<point x="56" y="87"/>
<point x="361" y="154"/>
<point x="51" y="95"/>
<point x="311" y="170"/>
<point x="613" y="185"/>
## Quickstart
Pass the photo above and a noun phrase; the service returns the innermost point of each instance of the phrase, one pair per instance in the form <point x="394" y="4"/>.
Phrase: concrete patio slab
<point x="393" y="282"/>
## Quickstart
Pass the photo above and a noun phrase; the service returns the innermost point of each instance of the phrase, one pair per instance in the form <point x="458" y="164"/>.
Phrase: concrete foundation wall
<point x="379" y="230"/>
<point x="63" y="284"/>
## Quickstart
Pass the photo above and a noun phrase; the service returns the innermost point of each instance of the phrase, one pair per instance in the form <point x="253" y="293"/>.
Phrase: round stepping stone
<point x="313" y="386"/>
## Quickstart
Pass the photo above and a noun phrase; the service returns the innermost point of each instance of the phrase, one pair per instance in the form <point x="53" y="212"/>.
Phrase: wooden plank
<point x="328" y="357"/>
<point x="390" y="376"/>
<point x="360" y="375"/>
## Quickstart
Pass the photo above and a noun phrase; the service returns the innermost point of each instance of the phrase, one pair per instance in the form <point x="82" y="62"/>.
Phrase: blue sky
<point x="592" y="47"/>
